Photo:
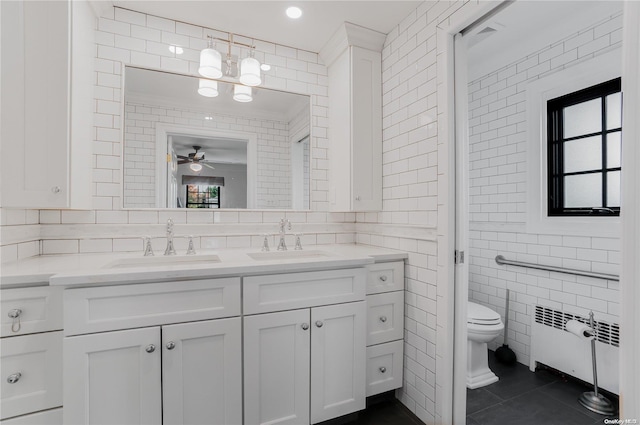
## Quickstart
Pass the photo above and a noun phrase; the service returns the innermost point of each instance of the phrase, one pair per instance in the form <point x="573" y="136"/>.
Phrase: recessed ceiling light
<point x="294" y="12"/>
<point x="176" y="49"/>
<point x="265" y="67"/>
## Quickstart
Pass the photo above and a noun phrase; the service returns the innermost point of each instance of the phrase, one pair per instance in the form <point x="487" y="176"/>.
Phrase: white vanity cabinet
<point x="47" y="108"/>
<point x="304" y="365"/>
<point x="166" y="372"/>
<point x="31" y="355"/>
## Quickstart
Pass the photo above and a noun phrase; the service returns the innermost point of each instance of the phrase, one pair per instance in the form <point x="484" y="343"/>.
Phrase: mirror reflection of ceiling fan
<point x="195" y="160"/>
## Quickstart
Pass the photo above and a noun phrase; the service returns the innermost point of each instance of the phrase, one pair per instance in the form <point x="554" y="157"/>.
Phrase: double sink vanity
<point x="235" y="336"/>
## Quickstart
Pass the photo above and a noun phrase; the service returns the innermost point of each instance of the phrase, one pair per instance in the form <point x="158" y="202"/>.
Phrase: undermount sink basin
<point x="286" y="255"/>
<point x="161" y="261"/>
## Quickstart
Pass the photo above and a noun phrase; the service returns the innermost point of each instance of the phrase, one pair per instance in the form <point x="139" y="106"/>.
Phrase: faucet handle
<point x="191" y="249"/>
<point x="265" y="243"/>
<point x="148" y="251"/>
<point x="298" y="242"/>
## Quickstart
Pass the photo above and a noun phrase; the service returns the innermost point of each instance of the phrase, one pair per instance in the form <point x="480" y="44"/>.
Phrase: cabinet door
<point x="366" y="129"/>
<point x="338" y="360"/>
<point x="276" y="368"/>
<point x="202" y="373"/>
<point x="113" y="378"/>
<point x="35" y="104"/>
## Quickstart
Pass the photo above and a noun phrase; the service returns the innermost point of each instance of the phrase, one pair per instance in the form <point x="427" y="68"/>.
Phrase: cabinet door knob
<point x="319" y="323"/>
<point x="14" y="377"/>
<point x="383" y="319"/>
<point x="383" y="369"/>
<point x="15" y="315"/>
<point x="383" y="278"/>
<point x="55" y="189"/>
<point x="358" y="198"/>
<point x="171" y="345"/>
<point x="305" y="326"/>
<point x="150" y="348"/>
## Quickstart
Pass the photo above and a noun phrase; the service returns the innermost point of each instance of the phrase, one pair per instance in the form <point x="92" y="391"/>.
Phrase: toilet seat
<point x="480" y="315"/>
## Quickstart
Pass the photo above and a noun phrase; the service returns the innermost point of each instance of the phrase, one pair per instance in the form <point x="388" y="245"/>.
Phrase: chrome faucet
<point x="282" y="245"/>
<point x="148" y="251"/>
<point x="170" y="249"/>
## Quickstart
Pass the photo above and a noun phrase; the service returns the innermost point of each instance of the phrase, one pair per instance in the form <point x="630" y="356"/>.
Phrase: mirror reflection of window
<point x="203" y="196"/>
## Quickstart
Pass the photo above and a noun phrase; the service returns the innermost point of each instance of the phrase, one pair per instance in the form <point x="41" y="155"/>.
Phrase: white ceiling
<point x="527" y="26"/>
<point x="266" y="20"/>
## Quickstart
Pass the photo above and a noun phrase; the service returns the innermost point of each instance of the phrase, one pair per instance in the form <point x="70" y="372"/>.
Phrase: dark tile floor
<point x="522" y="397"/>
<point x="383" y="409"/>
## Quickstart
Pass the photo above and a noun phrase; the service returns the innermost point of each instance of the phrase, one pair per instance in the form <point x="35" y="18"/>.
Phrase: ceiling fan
<point x="195" y="159"/>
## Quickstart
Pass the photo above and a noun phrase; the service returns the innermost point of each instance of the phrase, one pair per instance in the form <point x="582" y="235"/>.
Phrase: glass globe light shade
<point x="208" y="88"/>
<point x="195" y="166"/>
<point x="242" y="93"/>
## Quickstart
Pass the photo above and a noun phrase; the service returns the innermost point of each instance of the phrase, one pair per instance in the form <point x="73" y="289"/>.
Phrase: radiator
<point x="553" y="346"/>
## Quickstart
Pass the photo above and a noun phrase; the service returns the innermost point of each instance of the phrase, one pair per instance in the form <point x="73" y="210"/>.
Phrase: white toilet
<point x="483" y="325"/>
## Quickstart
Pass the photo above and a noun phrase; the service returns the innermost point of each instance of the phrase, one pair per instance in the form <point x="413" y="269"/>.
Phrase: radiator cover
<point x="553" y="346"/>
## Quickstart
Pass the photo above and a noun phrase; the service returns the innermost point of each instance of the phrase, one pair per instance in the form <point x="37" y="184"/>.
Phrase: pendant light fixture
<point x="210" y="62"/>
<point x="208" y="88"/>
<point x="242" y="93"/>
<point x="250" y="71"/>
<point x="195" y="166"/>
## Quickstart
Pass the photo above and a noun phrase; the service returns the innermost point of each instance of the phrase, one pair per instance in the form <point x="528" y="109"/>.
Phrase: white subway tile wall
<point x="415" y="216"/>
<point x="498" y="193"/>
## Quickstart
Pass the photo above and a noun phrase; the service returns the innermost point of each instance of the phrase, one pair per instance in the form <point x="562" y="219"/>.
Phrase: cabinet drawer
<point x="385" y="277"/>
<point x="35" y="364"/>
<point x="99" y="309"/>
<point x="289" y="291"/>
<point x="385" y="317"/>
<point x="40" y="310"/>
<point x="48" y="417"/>
<point x="384" y="367"/>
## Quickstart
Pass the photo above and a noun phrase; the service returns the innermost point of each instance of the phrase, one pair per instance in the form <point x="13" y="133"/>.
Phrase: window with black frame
<point x="584" y="132"/>
<point x="203" y="196"/>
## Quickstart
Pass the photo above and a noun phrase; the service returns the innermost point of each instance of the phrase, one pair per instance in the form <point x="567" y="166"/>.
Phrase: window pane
<point x="613" y="149"/>
<point x="583" y="191"/>
<point x="613" y="189"/>
<point x="583" y="118"/>
<point x="614" y="111"/>
<point x="583" y="154"/>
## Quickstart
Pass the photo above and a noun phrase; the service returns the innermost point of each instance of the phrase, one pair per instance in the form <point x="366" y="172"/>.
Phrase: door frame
<point x="457" y="275"/>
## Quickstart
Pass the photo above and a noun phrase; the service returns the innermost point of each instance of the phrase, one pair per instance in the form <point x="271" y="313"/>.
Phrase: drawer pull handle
<point x="319" y="323"/>
<point x="150" y="348"/>
<point x="171" y="345"/>
<point x="305" y="326"/>
<point x="383" y="369"/>
<point x="383" y="278"/>
<point x="56" y="189"/>
<point x="383" y="319"/>
<point x="15" y="315"/>
<point x="14" y="377"/>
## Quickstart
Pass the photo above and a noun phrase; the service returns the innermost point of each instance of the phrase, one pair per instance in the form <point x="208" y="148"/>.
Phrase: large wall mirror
<point x="184" y="149"/>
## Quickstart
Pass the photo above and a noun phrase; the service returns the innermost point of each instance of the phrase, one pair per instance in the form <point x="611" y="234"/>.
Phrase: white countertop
<point x="98" y="269"/>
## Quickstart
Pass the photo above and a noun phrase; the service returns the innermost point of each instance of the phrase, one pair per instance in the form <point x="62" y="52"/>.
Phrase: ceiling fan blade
<point x="184" y="161"/>
<point x="207" y="165"/>
<point x="182" y="157"/>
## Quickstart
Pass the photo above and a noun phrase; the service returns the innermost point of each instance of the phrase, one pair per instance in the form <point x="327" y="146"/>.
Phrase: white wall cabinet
<point x="47" y="121"/>
<point x="293" y="357"/>
<point x="191" y="374"/>
<point x="355" y="118"/>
